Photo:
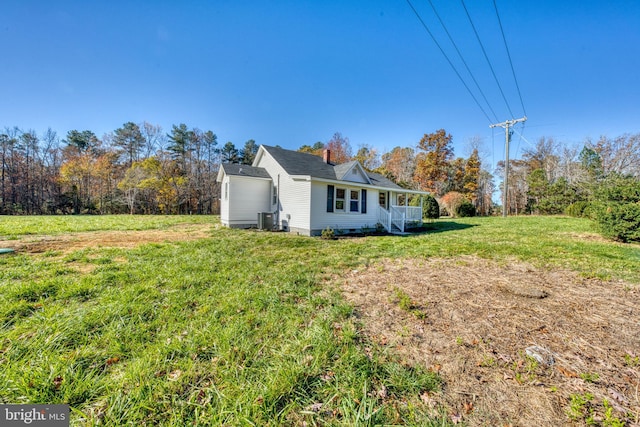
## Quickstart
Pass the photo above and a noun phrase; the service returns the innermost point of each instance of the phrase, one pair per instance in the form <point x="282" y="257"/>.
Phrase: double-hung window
<point x="346" y="200"/>
<point x="354" y="201"/>
<point x="341" y="195"/>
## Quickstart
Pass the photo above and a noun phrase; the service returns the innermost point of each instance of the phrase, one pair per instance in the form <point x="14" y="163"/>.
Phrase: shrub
<point x="594" y="209"/>
<point x="328" y="234"/>
<point x="617" y="188"/>
<point x="620" y="221"/>
<point x="430" y="207"/>
<point x="576" y="209"/>
<point x="451" y="201"/>
<point x="466" y="209"/>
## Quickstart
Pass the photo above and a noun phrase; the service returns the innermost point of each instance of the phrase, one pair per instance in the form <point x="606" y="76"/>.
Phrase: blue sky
<point x="294" y="72"/>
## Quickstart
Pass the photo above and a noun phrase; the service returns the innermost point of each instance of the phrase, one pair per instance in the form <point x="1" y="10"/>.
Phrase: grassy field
<point x="239" y="327"/>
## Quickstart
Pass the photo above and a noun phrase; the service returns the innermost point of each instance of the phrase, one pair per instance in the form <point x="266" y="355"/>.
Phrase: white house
<point x="305" y="193"/>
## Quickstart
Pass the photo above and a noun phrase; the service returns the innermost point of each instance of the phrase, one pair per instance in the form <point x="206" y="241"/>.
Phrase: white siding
<point x="247" y="197"/>
<point x="224" y="201"/>
<point x="321" y="219"/>
<point x="294" y="197"/>
<point x="355" y="175"/>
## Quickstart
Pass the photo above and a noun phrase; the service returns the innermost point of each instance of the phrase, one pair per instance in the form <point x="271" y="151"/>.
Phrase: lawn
<point x="177" y="321"/>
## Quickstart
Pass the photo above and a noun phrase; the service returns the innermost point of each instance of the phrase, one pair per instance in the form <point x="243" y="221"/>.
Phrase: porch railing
<point x="384" y="218"/>
<point x="412" y="213"/>
<point x="398" y="216"/>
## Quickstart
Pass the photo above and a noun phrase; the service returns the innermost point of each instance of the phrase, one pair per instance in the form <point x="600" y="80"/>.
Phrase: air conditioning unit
<point x="265" y="220"/>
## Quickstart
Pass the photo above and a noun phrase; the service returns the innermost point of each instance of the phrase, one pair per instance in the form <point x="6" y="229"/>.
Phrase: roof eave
<point x="370" y="186"/>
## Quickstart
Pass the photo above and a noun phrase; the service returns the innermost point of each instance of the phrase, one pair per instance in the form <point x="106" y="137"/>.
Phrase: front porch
<point x="394" y="212"/>
<point x="396" y="218"/>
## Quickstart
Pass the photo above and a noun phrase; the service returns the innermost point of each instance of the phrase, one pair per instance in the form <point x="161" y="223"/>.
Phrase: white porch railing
<point x="411" y="213"/>
<point x="398" y="216"/>
<point x="384" y="218"/>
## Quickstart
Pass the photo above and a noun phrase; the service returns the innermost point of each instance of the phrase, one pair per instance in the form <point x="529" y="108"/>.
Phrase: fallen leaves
<point x="567" y="372"/>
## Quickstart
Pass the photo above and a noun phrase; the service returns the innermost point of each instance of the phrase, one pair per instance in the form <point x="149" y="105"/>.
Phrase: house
<point x="305" y="193"/>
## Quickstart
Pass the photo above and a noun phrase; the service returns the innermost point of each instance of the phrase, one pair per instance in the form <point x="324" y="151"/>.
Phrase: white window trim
<point x="357" y="199"/>
<point x="347" y="201"/>
<point x="344" y="200"/>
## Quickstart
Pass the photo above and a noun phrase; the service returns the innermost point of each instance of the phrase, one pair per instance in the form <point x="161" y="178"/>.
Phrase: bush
<point x="452" y="201"/>
<point x="576" y="209"/>
<point x="328" y="234"/>
<point x="430" y="207"/>
<point x="593" y="210"/>
<point x="466" y="209"/>
<point x="620" y="221"/>
<point x="616" y="188"/>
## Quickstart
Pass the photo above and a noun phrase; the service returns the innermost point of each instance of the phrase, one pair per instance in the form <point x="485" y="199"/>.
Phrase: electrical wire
<point x="463" y="60"/>
<point x="424" y="25"/>
<point x="513" y="71"/>
<point x="521" y="138"/>
<point x="487" y="58"/>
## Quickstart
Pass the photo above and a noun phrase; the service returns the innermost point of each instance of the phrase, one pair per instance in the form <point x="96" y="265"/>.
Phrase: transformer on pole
<point x="505" y="188"/>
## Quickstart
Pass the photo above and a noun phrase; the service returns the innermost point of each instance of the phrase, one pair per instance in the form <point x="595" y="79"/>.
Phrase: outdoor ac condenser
<point x="265" y="220"/>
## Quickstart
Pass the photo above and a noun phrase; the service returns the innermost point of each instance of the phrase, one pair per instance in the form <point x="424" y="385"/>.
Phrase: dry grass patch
<point x="65" y="243"/>
<point x="477" y="320"/>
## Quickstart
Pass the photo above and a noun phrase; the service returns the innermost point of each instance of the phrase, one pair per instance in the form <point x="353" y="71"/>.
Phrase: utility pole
<point x="505" y="188"/>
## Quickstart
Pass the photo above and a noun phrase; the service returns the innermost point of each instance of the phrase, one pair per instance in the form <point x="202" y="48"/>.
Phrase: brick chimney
<point x="326" y="156"/>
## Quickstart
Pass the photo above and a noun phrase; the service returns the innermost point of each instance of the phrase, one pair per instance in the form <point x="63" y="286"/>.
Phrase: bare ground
<point x="65" y="243"/>
<point x="472" y="320"/>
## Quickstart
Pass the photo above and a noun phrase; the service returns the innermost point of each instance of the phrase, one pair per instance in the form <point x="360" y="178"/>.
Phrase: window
<point x="346" y="200"/>
<point x="340" y="198"/>
<point x="226" y="190"/>
<point x="382" y="199"/>
<point x="274" y="200"/>
<point x="354" y="201"/>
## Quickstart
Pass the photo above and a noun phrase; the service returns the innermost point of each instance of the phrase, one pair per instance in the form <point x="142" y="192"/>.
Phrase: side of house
<point x="306" y="193"/>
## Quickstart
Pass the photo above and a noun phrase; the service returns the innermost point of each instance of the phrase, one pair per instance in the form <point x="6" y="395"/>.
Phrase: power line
<point x="448" y="60"/>
<point x="462" y="59"/>
<point x="509" y="56"/>
<point x="486" y="57"/>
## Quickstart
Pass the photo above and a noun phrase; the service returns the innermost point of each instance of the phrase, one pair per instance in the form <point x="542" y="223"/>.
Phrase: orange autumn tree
<point x="432" y="163"/>
<point x="340" y="148"/>
<point x="452" y="201"/>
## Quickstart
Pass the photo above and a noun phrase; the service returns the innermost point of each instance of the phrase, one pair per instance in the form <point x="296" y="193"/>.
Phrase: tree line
<point x="549" y="176"/>
<point x="138" y="168"/>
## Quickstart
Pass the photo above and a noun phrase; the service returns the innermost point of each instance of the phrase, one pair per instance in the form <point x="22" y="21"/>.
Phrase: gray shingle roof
<point x="342" y="169"/>
<point x="297" y="163"/>
<point x="244" y="170"/>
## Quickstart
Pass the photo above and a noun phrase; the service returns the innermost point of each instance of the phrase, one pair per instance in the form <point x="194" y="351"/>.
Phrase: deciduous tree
<point x="432" y="163"/>
<point x="340" y="148"/>
<point x="368" y="157"/>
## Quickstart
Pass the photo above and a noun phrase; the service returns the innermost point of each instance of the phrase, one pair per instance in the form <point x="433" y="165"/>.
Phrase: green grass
<point x="11" y="227"/>
<point x="239" y="328"/>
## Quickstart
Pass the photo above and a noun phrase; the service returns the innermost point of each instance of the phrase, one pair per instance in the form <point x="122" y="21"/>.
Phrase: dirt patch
<point x="514" y="344"/>
<point x="65" y="243"/>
